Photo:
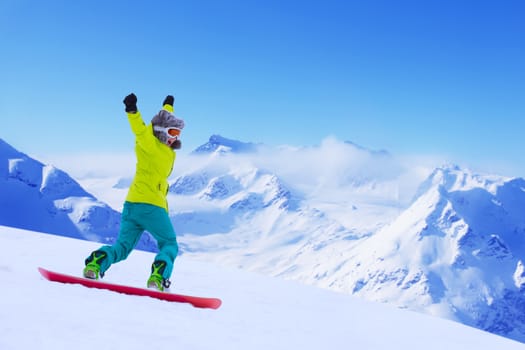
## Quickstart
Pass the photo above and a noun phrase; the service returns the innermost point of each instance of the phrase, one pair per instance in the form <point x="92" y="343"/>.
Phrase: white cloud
<point x="332" y="170"/>
<point x="93" y="165"/>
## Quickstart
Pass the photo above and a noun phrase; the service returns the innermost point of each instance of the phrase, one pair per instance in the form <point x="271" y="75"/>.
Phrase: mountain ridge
<point x="220" y="144"/>
<point x="46" y="199"/>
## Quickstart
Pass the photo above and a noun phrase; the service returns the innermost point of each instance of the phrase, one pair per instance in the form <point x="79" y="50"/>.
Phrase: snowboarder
<point x="146" y="207"/>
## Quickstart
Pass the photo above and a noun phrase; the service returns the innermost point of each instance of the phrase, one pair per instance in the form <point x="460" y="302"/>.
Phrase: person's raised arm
<point x="134" y="117"/>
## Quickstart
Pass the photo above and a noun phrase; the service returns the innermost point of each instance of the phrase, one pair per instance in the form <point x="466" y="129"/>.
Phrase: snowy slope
<point x="456" y="252"/>
<point x="257" y="312"/>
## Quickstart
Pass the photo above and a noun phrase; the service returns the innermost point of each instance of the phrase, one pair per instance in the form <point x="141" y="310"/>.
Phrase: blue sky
<point x="412" y="77"/>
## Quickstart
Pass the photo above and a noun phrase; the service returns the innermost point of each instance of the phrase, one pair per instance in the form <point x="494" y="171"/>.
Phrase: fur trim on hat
<point x="165" y="119"/>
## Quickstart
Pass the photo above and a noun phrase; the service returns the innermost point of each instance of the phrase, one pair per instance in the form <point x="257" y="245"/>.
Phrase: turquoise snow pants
<point x="137" y="218"/>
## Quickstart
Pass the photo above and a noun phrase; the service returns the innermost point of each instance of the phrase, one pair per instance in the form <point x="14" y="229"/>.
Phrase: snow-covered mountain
<point x="217" y="143"/>
<point x="337" y="216"/>
<point x="456" y="251"/>
<point x="41" y="197"/>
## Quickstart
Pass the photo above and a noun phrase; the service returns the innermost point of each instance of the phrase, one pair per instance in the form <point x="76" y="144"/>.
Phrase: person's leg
<point x="159" y="225"/>
<point x="130" y="232"/>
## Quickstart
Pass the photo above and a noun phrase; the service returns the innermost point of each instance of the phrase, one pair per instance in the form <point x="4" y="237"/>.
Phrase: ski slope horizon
<point x="258" y="312"/>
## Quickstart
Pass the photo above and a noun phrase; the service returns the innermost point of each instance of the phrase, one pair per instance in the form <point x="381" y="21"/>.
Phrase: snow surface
<point x="257" y="313"/>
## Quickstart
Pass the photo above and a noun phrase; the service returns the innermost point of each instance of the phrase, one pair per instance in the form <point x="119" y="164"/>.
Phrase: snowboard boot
<point x="92" y="269"/>
<point x="156" y="281"/>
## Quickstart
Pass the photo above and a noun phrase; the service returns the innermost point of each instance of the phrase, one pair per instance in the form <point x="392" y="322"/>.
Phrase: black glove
<point x="169" y="100"/>
<point x="131" y="103"/>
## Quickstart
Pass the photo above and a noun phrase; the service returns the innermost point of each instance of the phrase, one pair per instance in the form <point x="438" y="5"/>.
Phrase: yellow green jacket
<point x="154" y="164"/>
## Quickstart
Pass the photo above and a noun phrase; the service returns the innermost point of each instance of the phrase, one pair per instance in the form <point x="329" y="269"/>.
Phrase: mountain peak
<point x="380" y="152"/>
<point x="6" y="150"/>
<point x="218" y="143"/>
<point x="452" y="177"/>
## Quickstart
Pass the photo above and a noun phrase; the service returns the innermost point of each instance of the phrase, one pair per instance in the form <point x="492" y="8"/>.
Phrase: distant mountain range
<point x="457" y="250"/>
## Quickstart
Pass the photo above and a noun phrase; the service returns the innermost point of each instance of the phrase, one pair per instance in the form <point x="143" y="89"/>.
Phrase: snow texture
<point x="257" y="313"/>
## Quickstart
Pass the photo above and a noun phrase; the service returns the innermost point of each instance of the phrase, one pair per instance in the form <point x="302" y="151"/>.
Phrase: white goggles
<point x="171" y="132"/>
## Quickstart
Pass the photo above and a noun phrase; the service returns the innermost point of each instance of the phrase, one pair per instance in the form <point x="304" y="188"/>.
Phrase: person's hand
<point x="131" y="103"/>
<point x="169" y="100"/>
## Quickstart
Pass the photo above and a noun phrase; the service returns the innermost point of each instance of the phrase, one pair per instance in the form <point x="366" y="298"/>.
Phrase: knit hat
<point x="165" y="119"/>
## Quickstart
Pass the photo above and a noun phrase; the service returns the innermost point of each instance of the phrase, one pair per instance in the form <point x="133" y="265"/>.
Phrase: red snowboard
<point x="200" y="302"/>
